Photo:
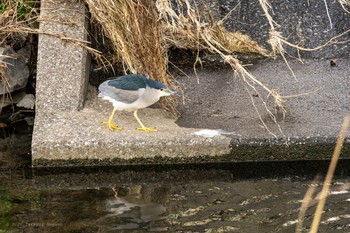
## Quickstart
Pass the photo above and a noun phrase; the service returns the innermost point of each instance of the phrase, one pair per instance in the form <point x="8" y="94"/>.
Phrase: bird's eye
<point x="161" y="89"/>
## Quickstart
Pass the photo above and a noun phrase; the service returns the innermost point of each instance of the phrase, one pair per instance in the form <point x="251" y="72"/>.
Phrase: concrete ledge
<point x="79" y="138"/>
<point x="218" y="102"/>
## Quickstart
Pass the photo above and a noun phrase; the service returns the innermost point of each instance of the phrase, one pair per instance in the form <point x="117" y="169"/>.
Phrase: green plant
<point x="22" y="9"/>
<point x="3" y="7"/>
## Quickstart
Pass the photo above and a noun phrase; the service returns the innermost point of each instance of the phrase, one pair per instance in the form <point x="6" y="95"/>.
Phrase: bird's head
<point x="160" y="87"/>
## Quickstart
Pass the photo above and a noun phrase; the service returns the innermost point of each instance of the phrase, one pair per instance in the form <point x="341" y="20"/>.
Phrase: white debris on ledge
<point x="209" y="133"/>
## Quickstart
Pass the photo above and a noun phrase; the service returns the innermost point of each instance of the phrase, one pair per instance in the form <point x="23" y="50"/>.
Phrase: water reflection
<point x="179" y="200"/>
<point x="136" y="207"/>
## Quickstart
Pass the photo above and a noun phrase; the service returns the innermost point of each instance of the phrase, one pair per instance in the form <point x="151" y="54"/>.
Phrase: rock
<point x="21" y="99"/>
<point x="28" y="101"/>
<point x="16" y="71"/>
<point x="25" y="52"/>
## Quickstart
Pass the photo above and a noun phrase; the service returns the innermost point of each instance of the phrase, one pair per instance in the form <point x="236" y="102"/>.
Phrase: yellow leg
<point x="143" y="128"/>
<point x="109" y="122"/>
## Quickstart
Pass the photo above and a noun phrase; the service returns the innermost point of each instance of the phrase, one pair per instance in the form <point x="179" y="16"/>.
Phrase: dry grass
<point x="191" y="30"/>
<point x="15" y="15"/>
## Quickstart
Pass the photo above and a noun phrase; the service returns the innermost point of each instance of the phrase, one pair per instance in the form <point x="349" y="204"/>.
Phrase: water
<point x="248" y="197"/>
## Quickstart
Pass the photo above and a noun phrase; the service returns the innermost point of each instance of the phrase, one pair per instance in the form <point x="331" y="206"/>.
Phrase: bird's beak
<point x="170" y="92"/>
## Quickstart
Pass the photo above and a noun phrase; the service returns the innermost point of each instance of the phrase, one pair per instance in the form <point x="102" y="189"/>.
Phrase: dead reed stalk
<point x="329" y="176"/>
<point x="326" y="184"/>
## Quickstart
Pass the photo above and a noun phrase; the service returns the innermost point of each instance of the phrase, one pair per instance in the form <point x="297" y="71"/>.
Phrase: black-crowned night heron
<point x="130" y="93"/>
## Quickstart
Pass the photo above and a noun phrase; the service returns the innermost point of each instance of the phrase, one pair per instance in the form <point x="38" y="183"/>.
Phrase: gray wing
<point x="124" y="96"/>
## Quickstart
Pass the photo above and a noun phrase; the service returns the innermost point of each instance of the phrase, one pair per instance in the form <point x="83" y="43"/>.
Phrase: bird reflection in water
<point x="137" y="207"/>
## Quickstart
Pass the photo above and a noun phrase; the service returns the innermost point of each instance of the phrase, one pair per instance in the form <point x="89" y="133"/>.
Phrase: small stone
<point x="16" y="71"/>
<point x="28" y="101"/>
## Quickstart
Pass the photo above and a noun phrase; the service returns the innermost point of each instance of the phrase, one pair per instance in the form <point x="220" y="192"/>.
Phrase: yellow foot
<point x="111" y="126"/>
<point x="147" y="129"/>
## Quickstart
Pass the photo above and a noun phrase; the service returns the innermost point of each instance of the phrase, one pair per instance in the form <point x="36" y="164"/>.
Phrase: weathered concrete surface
<point x="62" y="68"/>
<point x="217" y="102"/>
<point x="316" y="102"/>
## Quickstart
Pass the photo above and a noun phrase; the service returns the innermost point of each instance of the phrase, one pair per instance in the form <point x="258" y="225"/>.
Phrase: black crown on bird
<point x="134" y="82"/>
